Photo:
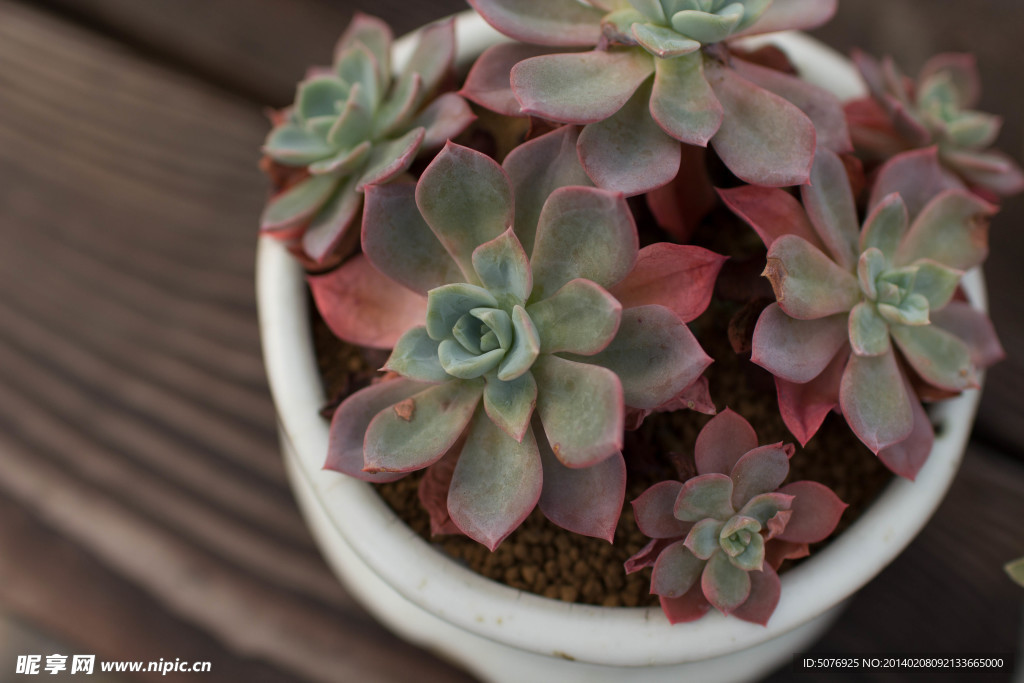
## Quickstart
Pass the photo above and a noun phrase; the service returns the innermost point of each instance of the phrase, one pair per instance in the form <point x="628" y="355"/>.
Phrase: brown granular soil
<point x="544" y="559"/>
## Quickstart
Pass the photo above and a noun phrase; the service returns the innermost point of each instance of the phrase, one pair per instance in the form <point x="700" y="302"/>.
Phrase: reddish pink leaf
<point x="653" y="511"/>
<point x="803" y="407"/>
<point x="689" y="607"/>
<point x="771" y="212"/>
<point x="679" y="277"/>
<point x="765" y="589"/>
<point x="723" y="441"/>
<point x="364" y="307"/>
<point x="816" y="512"/>
<point x="680" y="206"/>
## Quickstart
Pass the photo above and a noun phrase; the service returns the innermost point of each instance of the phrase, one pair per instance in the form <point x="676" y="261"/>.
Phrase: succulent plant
<point x="355" y="125"/>
<point x="524" y="321"/>
<point x="662" y="73"/>
<point x="719" y="537"/>
<point x="1015" y="570"/>
<point x="899" y="114"/>
<point x="867" y="319"/>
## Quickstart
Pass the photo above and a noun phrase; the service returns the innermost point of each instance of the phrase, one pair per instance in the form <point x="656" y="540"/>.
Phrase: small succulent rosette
<point x="355" y="125"/>
<point x="869" y="319"/>
<point x="525" y="321"/>
<point x="899" y="114"/>
<point x="719" y="537"/>
<point x="661" y="73"/>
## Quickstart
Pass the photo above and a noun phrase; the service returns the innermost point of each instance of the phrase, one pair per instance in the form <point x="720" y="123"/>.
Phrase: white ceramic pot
<point x="507" y="636"/>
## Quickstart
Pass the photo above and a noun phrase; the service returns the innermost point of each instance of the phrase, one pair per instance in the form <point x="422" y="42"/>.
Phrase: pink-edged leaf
<point x="432" y="57"/>
<point x="951" y="229"/>
<point x="417" y="431"/>
<point x="962" y="70"/>
<point x="580" y="87"/>
<point x="761" y="470"/>
<point x="974" y="328"/>
<point x="784" y="15"/>
<point x="298" y="203"/>
<point x="399" y="242"/>
<point x="797" y="350"/>
<point x="352" y="417"/>
<point x="654" y="355"/>
<point x="580" y="407"/>
<point x="496" y="483"/>
<point x="765" y="589"/>
<point x="876" y="401"/>
<point x="582" y="232"/>
<point x="680" y="206"/>
<point x="653" y="510"/>
<point x="771" y="212"/>
<point x="830" y="206"/>
<point x="939" y="357"/>
<point x="371" y="32"/>
<point x="803" y="407"/>
<point x="776" y="552"/>
<point x="676" y="276"/>
<point x="822" y="107"/>
<point x="581" y="317"/>
<point x="628" y="151"/>
<point x="585" y="501"/>
<point x="763" y="139"/>
<point x="725" y="585"/>
<point x="816" y="512"/>
<point x="646" y="556"/>
<point x="689" y="607"/>
<point x="547" y="22"/>
<point x="990" y="170"/>
<point x="332" y="229"/>
<point x="682" y="102"/>
<point x="389" y="159"/>
<point x="466" y="199"/>
<point x="489" y="81"/>
<point x="364" y="307"/>
<point x="703" y="497"/>
<point x="722" y="442"/>
<point x="675" y="571"/>
<point x="916" y="176"/>
<point x="694" y="397"/>
<point x="884" y="227"/>
<point x="908" y="456"/>
<point x="807" y="283"/>
<point x="510" y="404"/>
<point x="537" y="168"/>
<point x="443" y="119"/>
<point x="433" y="492"/>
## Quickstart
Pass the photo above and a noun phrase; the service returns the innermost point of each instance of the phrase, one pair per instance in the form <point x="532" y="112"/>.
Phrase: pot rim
<point x="614" y="636"/>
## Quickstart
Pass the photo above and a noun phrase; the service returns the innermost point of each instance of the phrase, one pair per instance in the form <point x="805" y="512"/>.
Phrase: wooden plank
<point x="258" y="48"/>
<point x="135" y="422"/>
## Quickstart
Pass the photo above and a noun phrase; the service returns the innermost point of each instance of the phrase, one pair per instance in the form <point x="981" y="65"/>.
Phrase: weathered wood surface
<point x="143" y="507"/>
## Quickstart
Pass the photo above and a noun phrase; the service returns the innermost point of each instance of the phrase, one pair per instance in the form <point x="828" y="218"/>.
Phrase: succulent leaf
<point x="760" y="470"/>
<point x="797" y="350"/>
<point x="725" y="585"/>
<point x="466" y="199"/>
<point x="939" y="357"/>
<point x="708" y="495"/>
<point x="951" y="229"/>
<point x="525" y="347"/>
<point x="399" y="243"/>
<point x="586" y="501"/>
<point x="488" y="82"/>
<point x="830" y="206"/>
<point x="503" y="269"/>
<point x="653" y="511"/>
<point x="675" y="571"/>
<point x="580" y="407"/>
<point x="869" y="332"/>
<point x="803" y="407"/>
<point x="763" y="139"/>
<point x="807" y="283"/>
<point x="631" y="128"/>
<point x="345" y="444"/>
<point x="362" y="306"/>
<point x="875" y="401"/>
<point x="662" y="42"/>
<point x="580" y="87"/>
<point x="771" y="212"/>
<point x="693" y="119"/>
<point x="580" y="318"/>
<point x="703" y="538"/>
<point x="547" y="22"/>
<point x="447" y="304"/>
<point x="586" y="233"/>
<point x="885" y="226"/>
<point x="816" y="512"/>
<point x="722" y="442"/>
<point x="510" y="404"/>
<point x="297" y="203"/>
<point x="416" y="432"/>
<point x="496" y="483"/>
<point x="537" y="168"/>
<point x="416" y="356"/>
<point x="680" y="277"/>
